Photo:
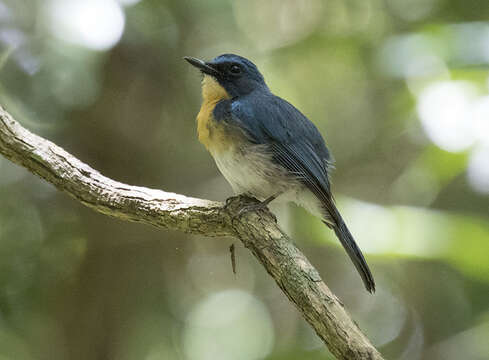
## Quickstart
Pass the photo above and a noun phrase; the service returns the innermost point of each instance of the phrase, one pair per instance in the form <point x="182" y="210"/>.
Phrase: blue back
<point x="294" y="140"/>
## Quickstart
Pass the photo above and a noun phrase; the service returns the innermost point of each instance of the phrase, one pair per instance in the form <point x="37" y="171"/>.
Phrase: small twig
<point x="233" y="258"/>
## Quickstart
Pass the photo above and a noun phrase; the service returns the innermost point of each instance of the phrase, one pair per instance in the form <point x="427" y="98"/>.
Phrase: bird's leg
<point x="260" y="205"/>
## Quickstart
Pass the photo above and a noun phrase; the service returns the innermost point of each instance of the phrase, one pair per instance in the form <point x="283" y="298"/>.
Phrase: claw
<point x="258" y="205"/>
<point x="228" y="201"/>
<point x="252" y="207"/>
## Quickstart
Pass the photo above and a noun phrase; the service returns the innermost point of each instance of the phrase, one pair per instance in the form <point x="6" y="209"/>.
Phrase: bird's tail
<point x="351" y="247"/>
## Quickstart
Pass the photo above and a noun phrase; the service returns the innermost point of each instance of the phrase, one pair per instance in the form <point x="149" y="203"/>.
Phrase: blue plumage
<point x="280" y="152"/>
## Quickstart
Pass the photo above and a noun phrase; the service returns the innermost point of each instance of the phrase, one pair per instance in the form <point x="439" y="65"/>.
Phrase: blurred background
<point x="400" y="90"/>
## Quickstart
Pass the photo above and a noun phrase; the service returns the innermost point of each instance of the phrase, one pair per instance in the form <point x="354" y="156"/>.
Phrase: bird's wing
<point x="294" y="141"/>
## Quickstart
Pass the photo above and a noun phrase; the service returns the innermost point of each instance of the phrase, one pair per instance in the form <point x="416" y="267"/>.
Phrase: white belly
<point x="253" y="173"/>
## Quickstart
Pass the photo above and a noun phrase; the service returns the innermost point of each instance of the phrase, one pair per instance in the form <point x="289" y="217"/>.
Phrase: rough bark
<point x="258" y="231"/>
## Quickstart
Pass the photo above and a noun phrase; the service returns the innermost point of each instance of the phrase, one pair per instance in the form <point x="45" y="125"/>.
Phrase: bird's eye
<point x="235" y="69"/>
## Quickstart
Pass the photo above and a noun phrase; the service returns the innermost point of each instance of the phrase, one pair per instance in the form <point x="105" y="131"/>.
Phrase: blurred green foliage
<point x="399" y="88"/>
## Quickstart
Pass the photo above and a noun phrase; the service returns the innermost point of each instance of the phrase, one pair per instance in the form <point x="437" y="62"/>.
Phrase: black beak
<point x="202" y="66"/>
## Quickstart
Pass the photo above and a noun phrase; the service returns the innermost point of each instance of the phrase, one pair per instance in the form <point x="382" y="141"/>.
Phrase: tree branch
<point x="258" y="231"/>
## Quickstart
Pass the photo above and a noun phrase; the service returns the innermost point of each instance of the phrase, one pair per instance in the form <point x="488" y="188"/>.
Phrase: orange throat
<point x="212" y="135"/>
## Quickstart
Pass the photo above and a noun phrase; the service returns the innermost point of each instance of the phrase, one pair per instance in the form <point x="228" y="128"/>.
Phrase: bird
<point x="266" y="148"/>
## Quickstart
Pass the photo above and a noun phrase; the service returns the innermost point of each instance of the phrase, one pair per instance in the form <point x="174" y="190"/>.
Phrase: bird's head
<point x="235" y="75"/>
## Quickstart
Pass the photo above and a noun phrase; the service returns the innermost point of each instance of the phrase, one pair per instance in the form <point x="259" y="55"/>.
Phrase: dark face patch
<point x="237" y="75"/>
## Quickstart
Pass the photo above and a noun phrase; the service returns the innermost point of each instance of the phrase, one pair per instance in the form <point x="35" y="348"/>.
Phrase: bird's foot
<point x="251" y="204"/>
<point x="258" y="205"/>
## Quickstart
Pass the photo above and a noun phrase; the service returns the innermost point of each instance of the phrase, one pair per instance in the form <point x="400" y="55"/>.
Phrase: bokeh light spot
<point x="218" y="325"/>
<point x="95" y="24"/>
<point x="444" y="109"/>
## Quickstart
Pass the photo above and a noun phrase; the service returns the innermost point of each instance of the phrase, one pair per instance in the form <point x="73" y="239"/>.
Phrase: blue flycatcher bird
<point x="266" y="148"/>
